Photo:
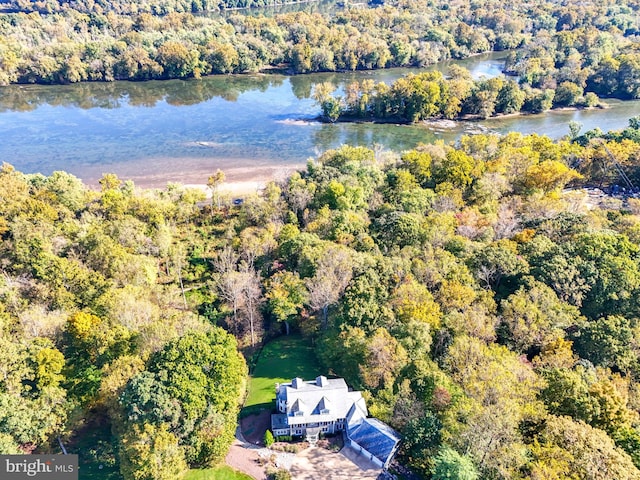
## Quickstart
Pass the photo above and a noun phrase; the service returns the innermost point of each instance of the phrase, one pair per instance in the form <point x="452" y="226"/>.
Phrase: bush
<point x="268" y="438"/>
<point x="280" y="474"/>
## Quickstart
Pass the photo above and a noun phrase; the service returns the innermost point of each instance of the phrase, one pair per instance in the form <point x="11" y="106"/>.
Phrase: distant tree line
<point x="98" y="41"/>
<point x="579" y="58"/>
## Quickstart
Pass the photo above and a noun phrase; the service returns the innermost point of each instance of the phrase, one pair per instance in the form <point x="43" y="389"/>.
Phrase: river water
<point x="249" y="126"/>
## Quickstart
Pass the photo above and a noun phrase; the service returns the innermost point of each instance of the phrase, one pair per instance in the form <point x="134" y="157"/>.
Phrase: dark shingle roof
<point x="375" y="437"/>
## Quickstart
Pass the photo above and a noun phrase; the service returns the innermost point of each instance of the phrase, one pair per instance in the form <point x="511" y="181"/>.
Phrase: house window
<point x="298" y="432"/>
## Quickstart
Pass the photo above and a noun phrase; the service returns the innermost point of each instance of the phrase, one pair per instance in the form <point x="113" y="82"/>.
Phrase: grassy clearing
<point x="219" y="473"/>
<point x="280" y="360"/>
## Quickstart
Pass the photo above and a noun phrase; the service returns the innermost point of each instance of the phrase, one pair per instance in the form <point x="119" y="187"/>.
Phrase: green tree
<point x="510" y="98"/>
<point x="151" y="452"/>
<point x="33" y="405"/>
<point x="286" y="295"/>
<point x="629" y="75"/>
<point x="567" y="94"/>
<point x="498" y="260"/>
<point x="535" y="317"/>
<point x="222" y="57"/>
<point x="457" y="168"/>
<point x="419" y="164"/>
<point x="607" y="341"/>
<point x="422" y="439"/>
<point x="450" y="465"/>
<point x="502" y="393"/>
<point x="605" y="262"/>
<point x="268" y="438"/>
<point x="8" y="446"/>
<point x="539" y="101"/>
<point x="177" y="60"/>
<point x="364" y="301"/>
<point x="193" y="385"/>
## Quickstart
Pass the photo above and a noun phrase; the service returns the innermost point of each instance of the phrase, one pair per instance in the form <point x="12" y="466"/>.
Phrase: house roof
<point x="326" y="400"/>
<point x="320" y="400"/>
<point x="278" y="421"/>
<point x="375" y="437"/>
<point x="323" y="404"/>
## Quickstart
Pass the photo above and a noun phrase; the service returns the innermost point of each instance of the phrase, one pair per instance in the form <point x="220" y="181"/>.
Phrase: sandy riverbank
<point x="235" y="189"/>
<point x="239" y="180"/>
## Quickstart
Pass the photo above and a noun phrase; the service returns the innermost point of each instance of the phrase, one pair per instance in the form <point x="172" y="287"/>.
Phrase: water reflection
<point x="176" y="130"/>
<point x="24" y="98"/>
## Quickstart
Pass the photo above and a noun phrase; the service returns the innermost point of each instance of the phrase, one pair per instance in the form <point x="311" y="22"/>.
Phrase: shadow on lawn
<point x="256" y="409"/>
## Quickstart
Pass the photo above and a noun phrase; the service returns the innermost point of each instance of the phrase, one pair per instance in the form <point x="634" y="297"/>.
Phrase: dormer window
<point x="298" y="413"/>
<point x="324" y="411"/>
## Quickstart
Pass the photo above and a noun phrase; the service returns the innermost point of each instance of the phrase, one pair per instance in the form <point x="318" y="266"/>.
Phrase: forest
<point x="480" y="296"/>
<point x="583" y="47"/>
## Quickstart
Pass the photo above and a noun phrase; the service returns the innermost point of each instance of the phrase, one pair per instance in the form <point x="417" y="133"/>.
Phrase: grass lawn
<point x="280" y="360"/>
<point x="219" y="473"/>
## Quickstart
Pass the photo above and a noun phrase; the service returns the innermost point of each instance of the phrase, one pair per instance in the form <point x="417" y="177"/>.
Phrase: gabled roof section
<point x="299" y="407"/>
<point x="323" y="407"/>
<point x="358" y="410"/>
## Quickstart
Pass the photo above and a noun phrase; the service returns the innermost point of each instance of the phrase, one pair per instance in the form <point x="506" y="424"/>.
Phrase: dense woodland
<point x="592" y="45"/>
<point x="489" y="316"/>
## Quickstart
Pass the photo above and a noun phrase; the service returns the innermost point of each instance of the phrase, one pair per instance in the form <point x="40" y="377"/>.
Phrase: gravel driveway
<point x="317" y="463"/>
<point x="246" y="460"/>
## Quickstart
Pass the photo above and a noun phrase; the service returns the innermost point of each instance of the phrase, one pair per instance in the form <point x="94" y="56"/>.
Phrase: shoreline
<point x="234" y="189"/>
<point x="239" y="181"/>
<point x="448" y="123"/>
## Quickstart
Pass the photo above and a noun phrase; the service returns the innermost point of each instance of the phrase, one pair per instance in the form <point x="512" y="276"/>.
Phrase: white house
<point x="308" y="408"/>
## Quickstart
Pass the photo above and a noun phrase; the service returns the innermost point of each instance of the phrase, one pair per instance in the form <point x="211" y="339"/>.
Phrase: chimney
<point x="297" y="382"/>
<point x="322" y="381"/>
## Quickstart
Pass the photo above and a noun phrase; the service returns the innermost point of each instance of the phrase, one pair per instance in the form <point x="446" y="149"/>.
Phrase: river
<point x="250" y="126"/>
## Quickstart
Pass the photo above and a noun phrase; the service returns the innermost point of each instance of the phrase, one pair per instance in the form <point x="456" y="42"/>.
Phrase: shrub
<point x="268" y="438"/>
<point x="280" y="474"/>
